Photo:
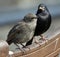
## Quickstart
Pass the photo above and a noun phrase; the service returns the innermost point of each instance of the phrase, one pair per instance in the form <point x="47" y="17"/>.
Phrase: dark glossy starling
<point x="43" y="22"/>
<point x="23" y="31"/>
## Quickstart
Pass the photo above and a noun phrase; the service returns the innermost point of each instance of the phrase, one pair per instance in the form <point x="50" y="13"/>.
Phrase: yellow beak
<point x="42" y="8"/>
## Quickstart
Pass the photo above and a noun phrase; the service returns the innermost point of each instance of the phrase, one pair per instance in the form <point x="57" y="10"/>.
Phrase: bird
<point x="23" y="31"/>
<point x="43" y="22"/>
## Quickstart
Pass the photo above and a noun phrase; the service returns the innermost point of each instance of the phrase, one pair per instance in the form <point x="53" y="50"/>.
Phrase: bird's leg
<point x="23" y="50"/>
<point x="23" y="45"/>
<point x="29" y="43"/>
<point x="37" y="42"/>
<point x="17" y="46"/>
<point x="42" y="38"/>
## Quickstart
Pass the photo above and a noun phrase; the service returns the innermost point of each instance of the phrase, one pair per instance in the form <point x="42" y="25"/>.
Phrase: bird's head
<point x="30" y="17"/>
<point x="42" y="8"/>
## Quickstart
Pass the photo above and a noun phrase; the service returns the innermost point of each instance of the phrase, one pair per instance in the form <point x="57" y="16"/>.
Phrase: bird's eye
<point x="32" y="18"/>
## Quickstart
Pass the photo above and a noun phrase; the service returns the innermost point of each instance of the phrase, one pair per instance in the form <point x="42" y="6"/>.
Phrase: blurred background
<point x="12" y="11"/>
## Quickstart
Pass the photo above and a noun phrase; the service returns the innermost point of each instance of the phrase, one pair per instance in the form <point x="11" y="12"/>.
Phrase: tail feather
<point x="29" y="42"/>
<point x="9" y="42"/>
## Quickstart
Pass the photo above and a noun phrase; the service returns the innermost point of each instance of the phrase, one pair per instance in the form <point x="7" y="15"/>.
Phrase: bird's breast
<point x="32" y="25"/>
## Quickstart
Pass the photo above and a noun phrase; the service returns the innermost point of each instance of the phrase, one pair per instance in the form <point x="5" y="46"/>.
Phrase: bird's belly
<point x="40" y="29"/>
<point x="22" y="39"/>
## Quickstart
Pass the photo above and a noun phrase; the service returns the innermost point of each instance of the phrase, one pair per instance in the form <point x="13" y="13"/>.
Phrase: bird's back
<point x="20" y="33"/>
<point x="23" y="31"/>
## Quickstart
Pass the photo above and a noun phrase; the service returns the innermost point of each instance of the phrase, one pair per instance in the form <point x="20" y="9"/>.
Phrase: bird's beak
<point x="42" y="8"/>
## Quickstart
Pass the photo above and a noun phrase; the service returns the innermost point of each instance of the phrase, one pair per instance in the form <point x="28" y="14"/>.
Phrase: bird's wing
<point x="19" y="28"/>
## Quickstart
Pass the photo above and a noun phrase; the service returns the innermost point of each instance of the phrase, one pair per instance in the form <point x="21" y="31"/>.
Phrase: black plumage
<point x="43" y="22"/>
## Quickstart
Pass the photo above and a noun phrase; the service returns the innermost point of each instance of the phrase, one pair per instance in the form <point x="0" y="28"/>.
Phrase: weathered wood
<point x="44" y="50"/>
<point x="54" y="54"/>
<point x="51" y="48"/>
<point x="4" y="49"/>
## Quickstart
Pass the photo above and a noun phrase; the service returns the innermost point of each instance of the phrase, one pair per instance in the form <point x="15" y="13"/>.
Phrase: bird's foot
<point x="27" y="47"/>
<point x="22" y="50"/>
<point x="37" y="42"/>
<point x="44" y="39"/>
<point x="24" y="47"/>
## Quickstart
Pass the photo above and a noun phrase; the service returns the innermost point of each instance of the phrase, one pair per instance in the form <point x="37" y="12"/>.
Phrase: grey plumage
<point x="23" y="31"/>
<point x="43" y="22"/>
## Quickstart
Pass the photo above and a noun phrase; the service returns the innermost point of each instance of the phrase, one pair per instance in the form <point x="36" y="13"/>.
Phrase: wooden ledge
<point x="45" y="49"/>
<point x="55" y="53"/>
<point x="49" y="48"/>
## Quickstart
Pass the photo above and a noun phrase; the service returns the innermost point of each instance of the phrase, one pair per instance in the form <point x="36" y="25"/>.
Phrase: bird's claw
<point x="37" y="42"/>
<point x="22" y="50"/>
<point x="44" y="39"/>
<point x="26" y="47"/>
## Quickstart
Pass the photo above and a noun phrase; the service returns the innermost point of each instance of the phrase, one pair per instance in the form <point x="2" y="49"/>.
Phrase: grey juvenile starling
<point x="43" y="22"/>
<point x="23" y="31"/>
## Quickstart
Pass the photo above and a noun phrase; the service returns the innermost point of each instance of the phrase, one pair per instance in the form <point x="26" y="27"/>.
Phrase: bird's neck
<point x="32" y="24"/>
<point x="43" y="15"/>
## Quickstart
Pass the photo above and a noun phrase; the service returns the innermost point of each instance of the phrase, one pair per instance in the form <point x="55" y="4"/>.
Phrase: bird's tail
<point x="9" y="42"/>
<point x="29" y="42"/>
